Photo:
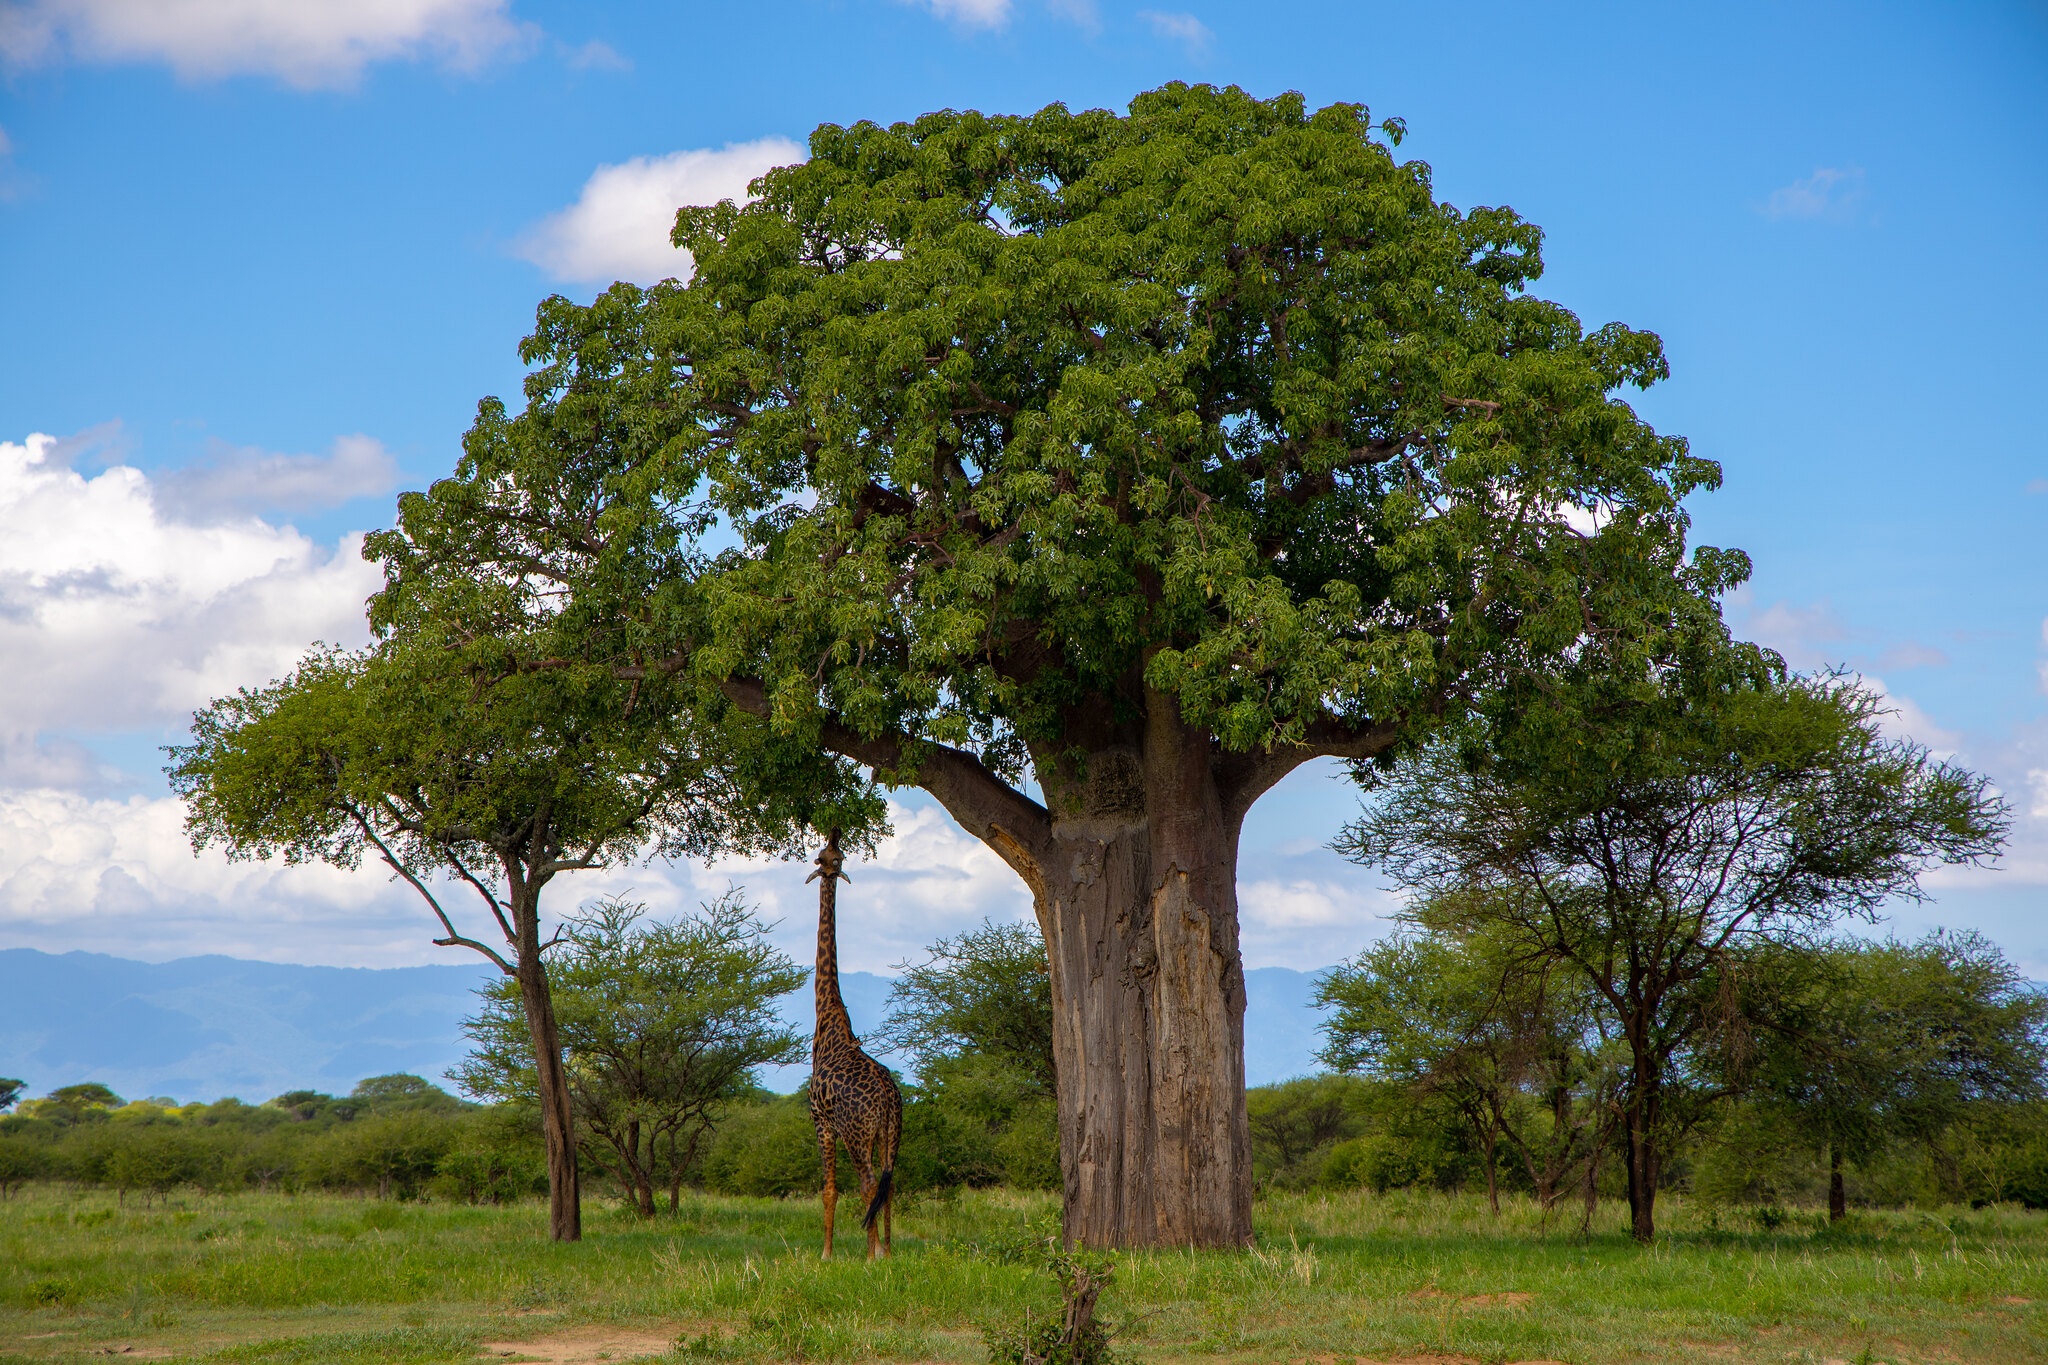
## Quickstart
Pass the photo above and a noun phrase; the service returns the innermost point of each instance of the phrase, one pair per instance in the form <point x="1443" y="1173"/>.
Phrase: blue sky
<point x="260" y="260"/>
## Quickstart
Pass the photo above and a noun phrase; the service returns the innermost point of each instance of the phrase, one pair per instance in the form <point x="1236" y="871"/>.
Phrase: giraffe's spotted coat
<point x="854" y="1099"/>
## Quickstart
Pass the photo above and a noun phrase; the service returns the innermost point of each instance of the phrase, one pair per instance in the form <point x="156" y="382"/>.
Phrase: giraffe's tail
<point x="881" y="1197"/>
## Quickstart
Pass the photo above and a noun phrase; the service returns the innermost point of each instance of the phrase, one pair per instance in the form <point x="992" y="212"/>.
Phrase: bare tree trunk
<point x="677" y="1161"/>
<point x="642" y="1172"/>
<point x="1138" y="902"/>
<point x="1592" y="1189"/>
<point x="557" y="1116"/>
<point x="1642" y="1179"/>
<point x="1838" y="1197"/>
<point x="1639" y="1129"/>
<point x="1492" y="1144"/>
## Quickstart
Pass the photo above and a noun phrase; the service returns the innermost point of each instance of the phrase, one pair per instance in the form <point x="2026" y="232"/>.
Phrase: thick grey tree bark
<point x="1138" y="904"/>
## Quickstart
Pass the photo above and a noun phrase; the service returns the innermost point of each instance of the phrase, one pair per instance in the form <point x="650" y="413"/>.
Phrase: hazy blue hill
<point x="203" y="1027"/>
<point x="199" y="1028"/>
<point x="1280" y="1024"/>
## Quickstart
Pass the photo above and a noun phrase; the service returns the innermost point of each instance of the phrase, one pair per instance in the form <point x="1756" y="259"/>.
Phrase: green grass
<point x="283" y="1279"/>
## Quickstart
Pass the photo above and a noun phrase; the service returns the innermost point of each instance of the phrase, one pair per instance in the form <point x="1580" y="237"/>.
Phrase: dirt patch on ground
<point x="1329" y="1358"/>
<point x="584" y="1346"/>
<point x="104" y="1348"/>
<point x="1512" y="1298"/>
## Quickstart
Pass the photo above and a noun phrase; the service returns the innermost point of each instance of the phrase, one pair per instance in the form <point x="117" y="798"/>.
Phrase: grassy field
<point x="1406" y="1276"/>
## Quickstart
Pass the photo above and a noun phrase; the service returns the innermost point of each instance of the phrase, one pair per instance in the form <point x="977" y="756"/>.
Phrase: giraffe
<point x="854" y="1099"/>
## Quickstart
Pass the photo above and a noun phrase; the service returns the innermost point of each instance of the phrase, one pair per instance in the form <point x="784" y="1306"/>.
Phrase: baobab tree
<point x="1142" y="457"/>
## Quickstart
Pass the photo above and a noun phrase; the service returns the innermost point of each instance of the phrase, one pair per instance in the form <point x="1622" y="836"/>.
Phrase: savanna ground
<point x="1336" y="1277"/>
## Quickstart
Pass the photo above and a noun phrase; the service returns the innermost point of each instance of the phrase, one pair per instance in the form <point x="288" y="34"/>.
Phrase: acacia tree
<point x="403" y="755"/>
<point x="1865" y="1044"/>
<point x="662" y="1024"/>
<point x="1144" y="457"/>
<point x="1511" y="1042"/>
<point x="1653" y="831"/>
<point x="984" y="993"/>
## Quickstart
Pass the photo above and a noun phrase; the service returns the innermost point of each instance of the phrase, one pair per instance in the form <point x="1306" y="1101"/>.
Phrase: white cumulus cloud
<point x="114" y="616"/>
<point x="1830" y="192"/>
<point x="970" y="13"/>
<point x="305" y="43"/>
<point x="239" y="480"/>
<point x="1905" y="719"/>
<point x="618" y="228"/>
<point x="1083" y="14"/>
<point x="1309" y="922"/>
<point x="1191" y="33"/>
<point x="117" y="876"/>
<point x="596" y="55"/>
<point x="1809" y="637"/>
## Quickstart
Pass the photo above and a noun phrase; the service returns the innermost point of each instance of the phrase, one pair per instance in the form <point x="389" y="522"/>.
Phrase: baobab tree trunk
<point x="1138" y="903"/>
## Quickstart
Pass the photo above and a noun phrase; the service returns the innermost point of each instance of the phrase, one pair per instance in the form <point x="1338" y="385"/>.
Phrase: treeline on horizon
<point x="1900" y="1074"/>
<point x="402" y="1137"/>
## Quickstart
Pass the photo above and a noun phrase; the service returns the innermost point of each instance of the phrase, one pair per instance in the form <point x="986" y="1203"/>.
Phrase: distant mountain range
<point x="200" y="1028"/>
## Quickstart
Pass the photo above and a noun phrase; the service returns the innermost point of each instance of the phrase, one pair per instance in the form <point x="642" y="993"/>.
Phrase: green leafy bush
<point x="767" y="1147"/>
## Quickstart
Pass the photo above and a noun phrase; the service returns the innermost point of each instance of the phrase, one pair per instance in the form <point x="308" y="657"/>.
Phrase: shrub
<point x="22" y="1159"/>
<point x="393" y="1154"/>
<point x="1028" y="1151"/>
<point x="767" y="1147"/>
<point x="497" y="1158"/>
<point x="1072" y="1336"/>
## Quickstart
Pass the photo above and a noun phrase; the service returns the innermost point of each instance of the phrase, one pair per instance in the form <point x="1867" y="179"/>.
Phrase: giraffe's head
<point x="830" y="860"/>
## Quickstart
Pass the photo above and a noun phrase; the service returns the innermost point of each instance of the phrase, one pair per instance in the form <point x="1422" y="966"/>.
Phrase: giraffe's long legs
<point x="826" y="1143"/>
<point x="864" y="1167"/>
<point x="887" y="1206"/>
<point x="890" y="1144"/>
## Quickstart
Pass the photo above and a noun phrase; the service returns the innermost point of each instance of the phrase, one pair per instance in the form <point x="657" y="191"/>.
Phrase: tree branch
<point x="1011" y="823"/>
<point x="454" y="939"/>
<point x="489" y="898"/>
<point x="1244" y="778"/>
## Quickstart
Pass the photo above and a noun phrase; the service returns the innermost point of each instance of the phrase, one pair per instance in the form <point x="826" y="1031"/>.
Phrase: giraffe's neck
<point x="833" y="1024"/>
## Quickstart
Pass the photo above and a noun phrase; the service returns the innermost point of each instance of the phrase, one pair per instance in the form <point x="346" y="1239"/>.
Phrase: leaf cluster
<point x="976" y="429"/>
<point x="1865" y="1044"/>
<point x="1699" y="809"/>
